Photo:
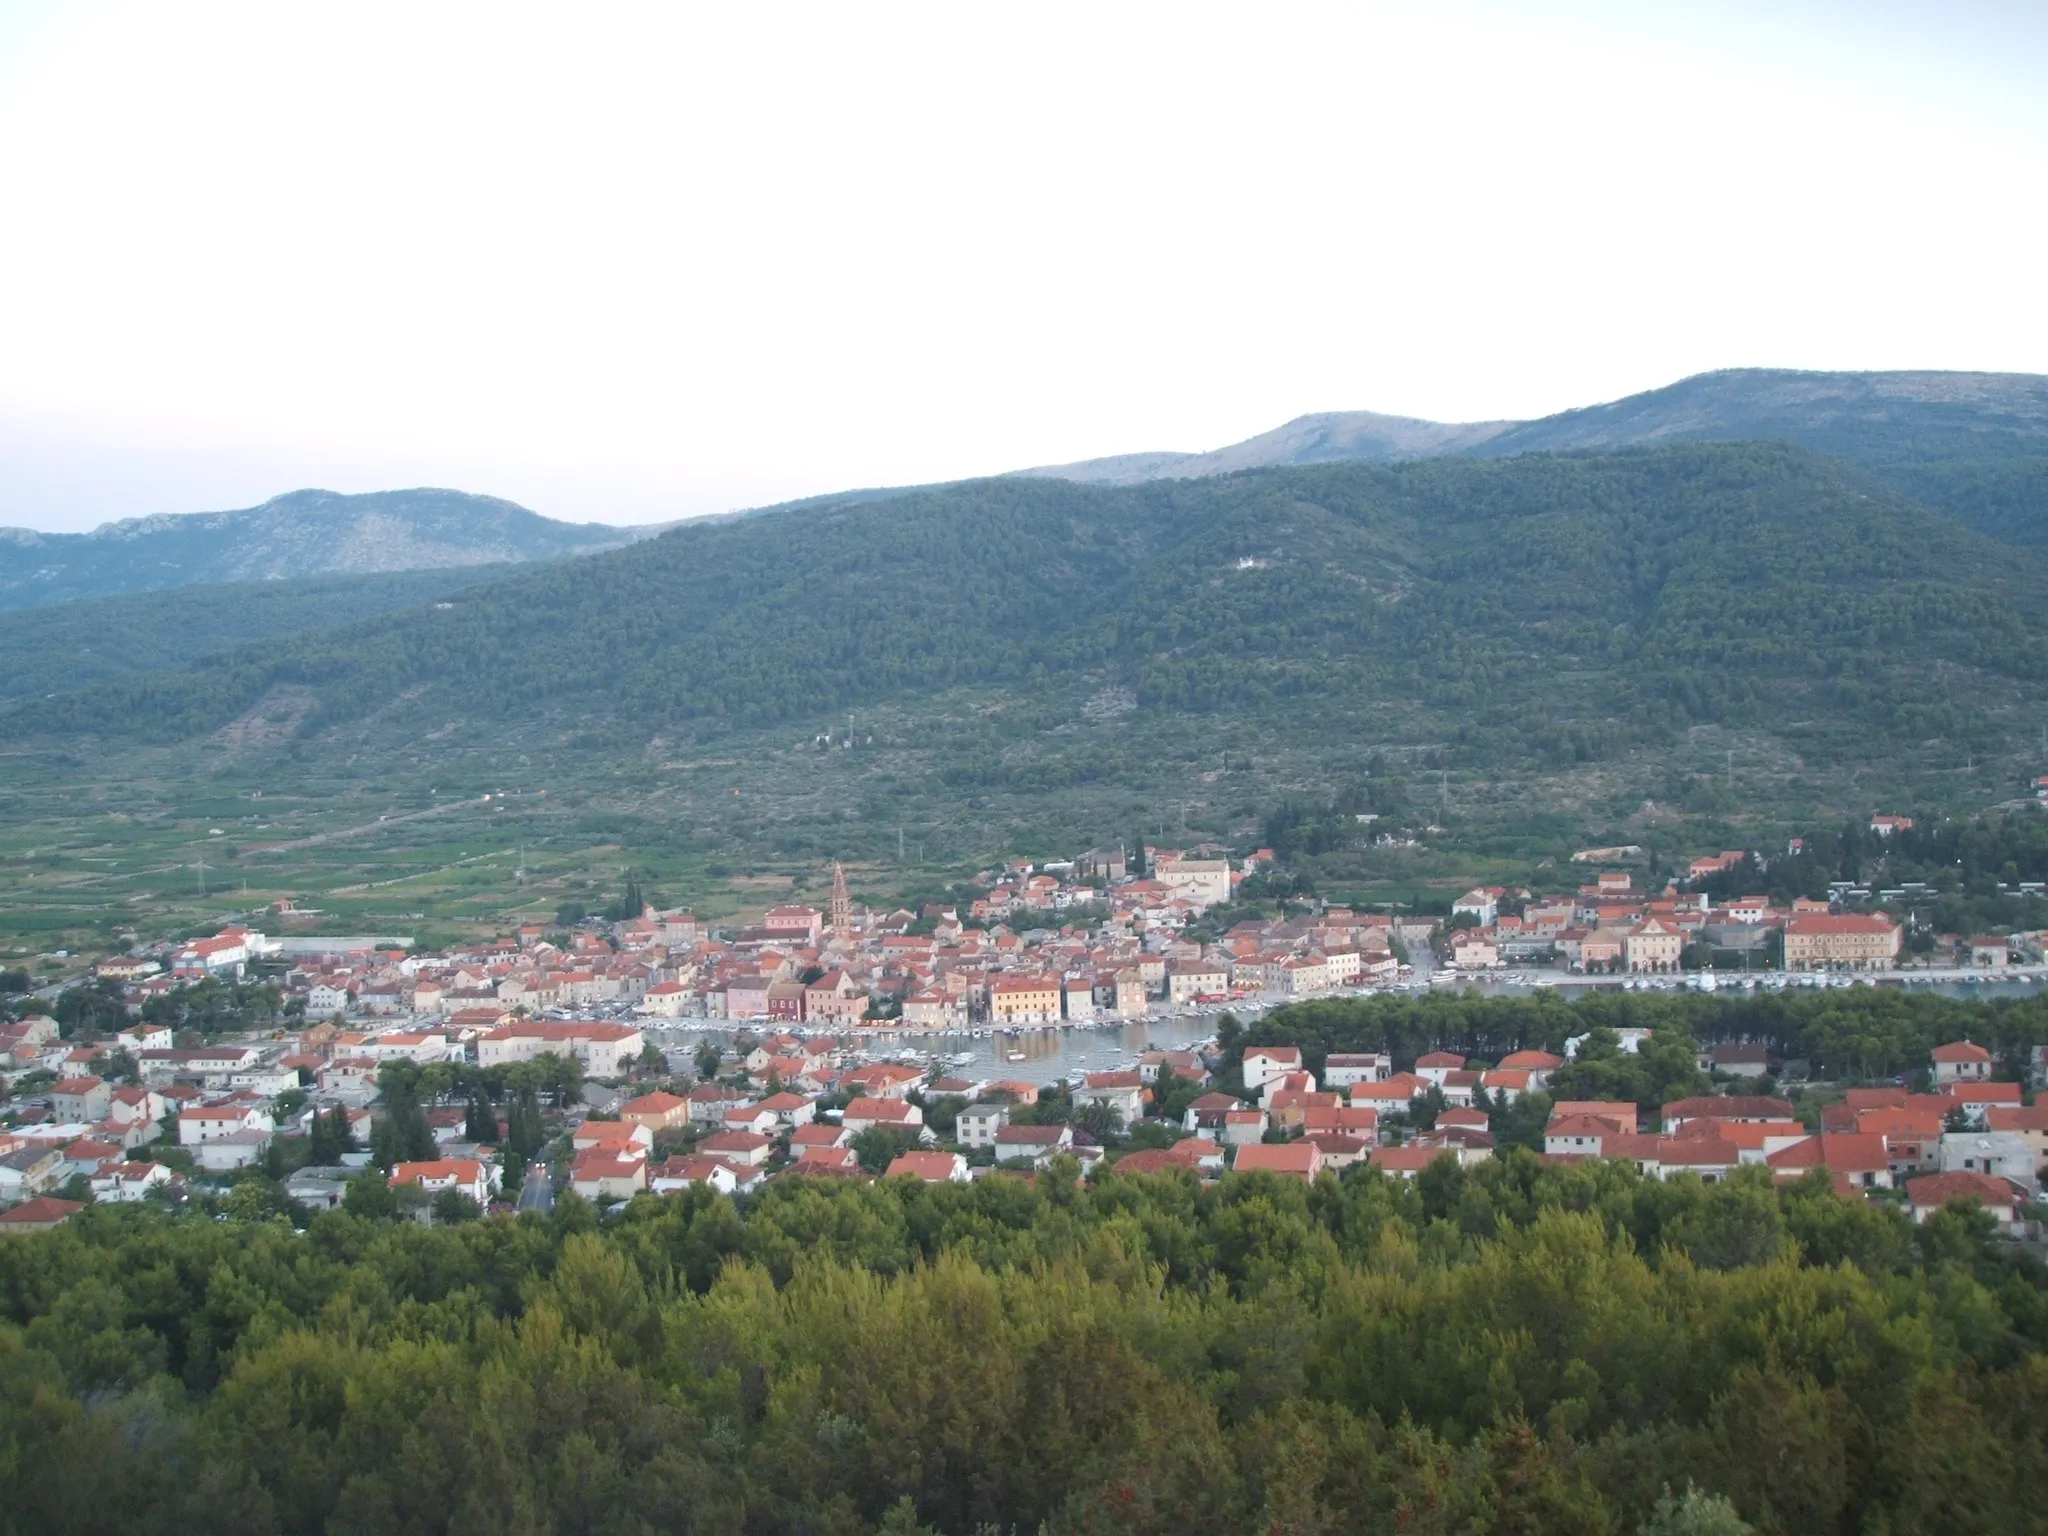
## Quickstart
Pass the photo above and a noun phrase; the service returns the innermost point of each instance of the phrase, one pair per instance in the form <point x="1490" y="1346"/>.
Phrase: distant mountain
<point x="1971" y="445"/>
<point x="1330" y="437"/>
<point x="1870" y="419"/>
<point x="305" y="533"/>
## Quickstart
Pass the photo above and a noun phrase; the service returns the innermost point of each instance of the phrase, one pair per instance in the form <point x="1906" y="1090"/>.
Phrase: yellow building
<point x="1021" y="1000"/>
<point x="1847" y="941"/>
<point x="1652" y="946"/>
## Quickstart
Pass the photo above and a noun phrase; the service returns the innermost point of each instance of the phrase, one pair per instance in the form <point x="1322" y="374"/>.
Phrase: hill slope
<point x="305" y="533"/>
<point x="1529" y="610"/>
<point x="63" y="646"/>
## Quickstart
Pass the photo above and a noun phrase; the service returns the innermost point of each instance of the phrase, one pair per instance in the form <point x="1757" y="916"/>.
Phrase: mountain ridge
<point x="299" y="534"/>
<point x="1318" y="438"/>
<point x="1972" y="445"/>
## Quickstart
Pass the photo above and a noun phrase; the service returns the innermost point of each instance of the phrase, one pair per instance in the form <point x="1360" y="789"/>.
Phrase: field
<point x="95" y="848"/>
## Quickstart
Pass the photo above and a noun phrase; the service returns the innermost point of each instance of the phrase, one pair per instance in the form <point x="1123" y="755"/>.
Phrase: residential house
<point x="1858" y="1159"/>
<point x="1264" y="1061"/>
<point x="2029" y="1121"/>
<point x="1538" y="1064"/>
<point x="1990" y="952"/>
<point x="27" y="1171"/>
<point x="1579" y="1135"/>
<point x="1032" y="1143"/>
<point x="80" y="1098"/>
<point x="218" y="1122"/>
<point x="891" y="1114"/>
<point x="789" y="1110"/>
<point x="1390" y="1096"/>
<point x="884" y="1080"/>
<point x="1342" y="1069"/>
<point x="819" y="1133"/>
<point x="1960" y="1061"/>
<point x="1405" y="1162"/>
<point x="1740" y="1060"/>
<point x="976" y="1125"/>
<point x="1930" y="1192"/>
<point x="931" y="1167"/>
<point x="466" y="1176"/>
<point x="2002" y="1154"/>
<point x="1123" y="1092"/>
<point x="656" y="1111"/>
<point x="1296" y="1159"/>
<point x="627" y="1138"/>
<point x="1206" y="1113"/>
<point x="680" y="1173"/>
<point x="1977" y="1099"/>
<point x="602" y="1175"/>
<point x="129" y="1183"/>
<point x="710" y="1101"/>
<point x="1243" y="1127"/>
<point x="1727" y="1107"/>
<point x="44" y="1213"/>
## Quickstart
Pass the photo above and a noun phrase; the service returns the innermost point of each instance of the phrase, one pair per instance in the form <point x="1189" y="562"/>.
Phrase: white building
<point x="977" y="1124"/>
<point x="603" y="1049"/>
<point x="1342" y="1069"/>
<point x="2002" y="1154"/>
<point x="1264" y="1061"/>
<point x="1199" y="882"/>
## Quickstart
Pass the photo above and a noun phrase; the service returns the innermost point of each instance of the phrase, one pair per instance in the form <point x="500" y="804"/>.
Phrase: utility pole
<point x="1731" y="768"/>
<point x="899" y="845"/>
<point x="202" y="877"/>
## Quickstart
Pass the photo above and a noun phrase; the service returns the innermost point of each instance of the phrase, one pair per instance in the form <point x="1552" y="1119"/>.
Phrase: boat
<point x="1013" y="1055"/>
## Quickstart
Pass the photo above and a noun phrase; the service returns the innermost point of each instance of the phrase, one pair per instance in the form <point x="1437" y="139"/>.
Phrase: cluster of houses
<point x="1610" y="926"/>
<point x="947" y="967"/>
<point x="90" y="1126"/>
<point x="220" y="1103"/>
<point x="734" y="1138"/>
<point x="1972" y="1138"/>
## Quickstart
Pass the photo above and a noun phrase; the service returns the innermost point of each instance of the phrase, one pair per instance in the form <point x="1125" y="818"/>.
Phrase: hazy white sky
<point x="626" y="263"/>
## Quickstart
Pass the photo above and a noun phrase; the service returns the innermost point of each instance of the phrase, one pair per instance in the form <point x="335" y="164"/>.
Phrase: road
<point x="537" y="1193"/>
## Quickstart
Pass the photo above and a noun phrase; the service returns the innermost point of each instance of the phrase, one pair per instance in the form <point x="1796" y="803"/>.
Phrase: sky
<point x="633" y="263"/>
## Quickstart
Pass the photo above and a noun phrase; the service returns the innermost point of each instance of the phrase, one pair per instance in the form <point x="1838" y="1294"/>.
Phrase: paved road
<point x="537" y="1193"/>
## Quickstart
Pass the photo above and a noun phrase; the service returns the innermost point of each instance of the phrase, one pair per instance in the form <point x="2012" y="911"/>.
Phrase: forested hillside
<point x="1535" y="610"/>
<point x="1971" y="445"/>
<point x="73" y="645"/>
<point x="1513" y="1348"/>
<point x="305" y="533"/>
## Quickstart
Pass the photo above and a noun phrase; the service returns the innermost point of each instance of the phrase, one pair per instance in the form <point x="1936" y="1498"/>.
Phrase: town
<point x="655" y="1053"/>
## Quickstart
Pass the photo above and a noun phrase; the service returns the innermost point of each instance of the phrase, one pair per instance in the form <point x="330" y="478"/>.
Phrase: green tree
<point x="1693" y="1513"/>
<point x="369" y="1194"/>
<point x="876" y="1147"/>
<point x="709" y="1058"/>
<point x="452" y="1206"/>
<point x="1100" y="1121"/>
